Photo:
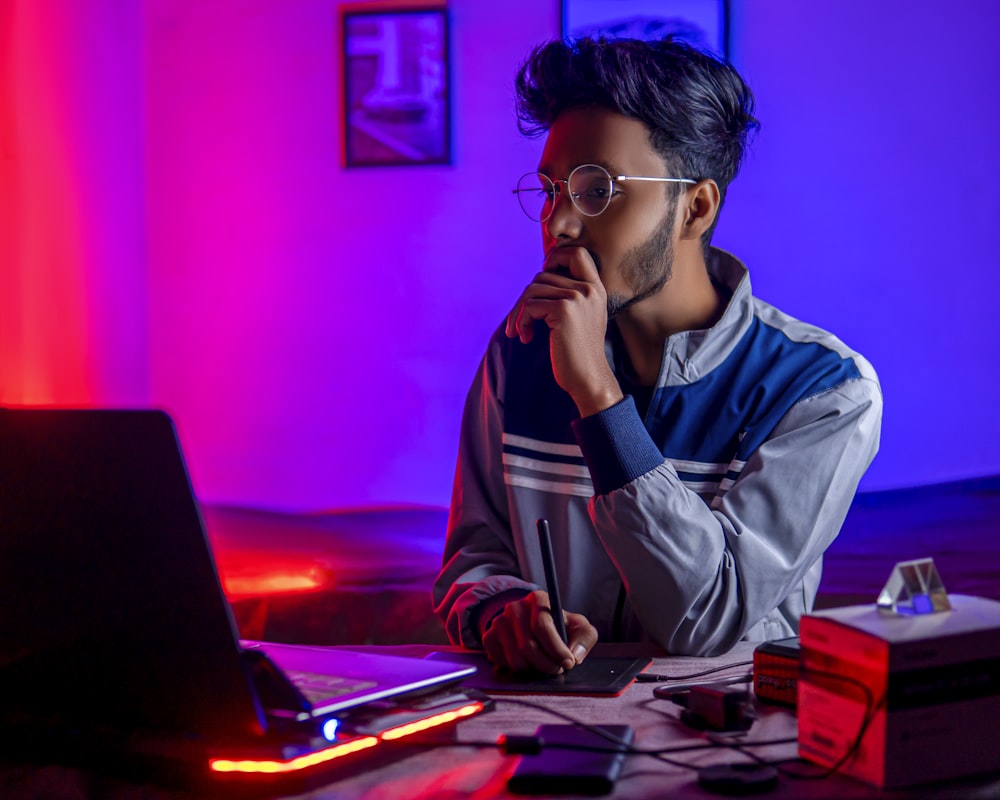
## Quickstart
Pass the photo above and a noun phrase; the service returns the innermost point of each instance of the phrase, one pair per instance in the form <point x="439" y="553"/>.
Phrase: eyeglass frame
<point x="612" y="179"/>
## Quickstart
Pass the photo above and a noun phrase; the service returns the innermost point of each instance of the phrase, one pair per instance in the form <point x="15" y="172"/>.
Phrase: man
<point x="694" y="450"/>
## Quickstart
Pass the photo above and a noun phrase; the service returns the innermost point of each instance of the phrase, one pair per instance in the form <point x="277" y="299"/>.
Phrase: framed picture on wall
<point x="396" y="91"/>
<point x="703" y="23"/>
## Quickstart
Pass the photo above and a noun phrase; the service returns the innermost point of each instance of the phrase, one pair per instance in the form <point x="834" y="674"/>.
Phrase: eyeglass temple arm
<point x="658" y="180"/>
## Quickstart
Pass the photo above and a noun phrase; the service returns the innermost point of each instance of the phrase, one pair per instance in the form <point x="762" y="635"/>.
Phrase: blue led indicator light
<point x="330" y="729"/>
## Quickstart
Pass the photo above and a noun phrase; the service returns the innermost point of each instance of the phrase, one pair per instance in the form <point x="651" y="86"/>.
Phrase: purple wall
<point x="314" y="329"/>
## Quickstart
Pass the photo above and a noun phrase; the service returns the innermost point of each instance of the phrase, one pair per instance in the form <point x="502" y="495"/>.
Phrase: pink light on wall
<point x="42" y="302"/>
<point x="72" y="286"/>
<point x="177" y="229"/>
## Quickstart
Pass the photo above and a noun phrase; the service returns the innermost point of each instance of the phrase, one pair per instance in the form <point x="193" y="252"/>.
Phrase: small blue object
<point x="330" y="729"/>
<point x="922" y="604"/>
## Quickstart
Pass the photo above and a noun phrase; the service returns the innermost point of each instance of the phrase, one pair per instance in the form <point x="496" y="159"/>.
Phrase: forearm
<point x="699" y="576"/>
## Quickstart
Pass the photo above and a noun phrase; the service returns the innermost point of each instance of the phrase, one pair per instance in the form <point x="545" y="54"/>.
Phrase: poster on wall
<point x="702" y="23"/>
<point x="396" y="92"/>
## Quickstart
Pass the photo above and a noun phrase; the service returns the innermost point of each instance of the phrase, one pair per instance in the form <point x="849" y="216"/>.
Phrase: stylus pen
<point x="552" y="585"/>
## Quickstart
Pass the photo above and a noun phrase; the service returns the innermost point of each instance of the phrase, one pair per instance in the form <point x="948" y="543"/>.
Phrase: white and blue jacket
<point x="696" y="525"/>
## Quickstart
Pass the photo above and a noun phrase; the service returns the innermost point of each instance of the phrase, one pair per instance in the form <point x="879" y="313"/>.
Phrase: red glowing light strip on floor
<point x="249" y="766"/>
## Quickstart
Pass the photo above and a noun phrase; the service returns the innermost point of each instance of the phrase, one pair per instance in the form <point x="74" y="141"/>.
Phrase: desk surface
<point x="481" y="773"/>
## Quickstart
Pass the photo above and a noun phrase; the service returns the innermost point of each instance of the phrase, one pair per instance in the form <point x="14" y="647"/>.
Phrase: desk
<point x="448" y="773"/>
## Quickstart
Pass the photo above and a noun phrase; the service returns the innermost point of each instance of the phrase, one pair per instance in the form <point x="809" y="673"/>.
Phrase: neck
<point x="688" y="302"/>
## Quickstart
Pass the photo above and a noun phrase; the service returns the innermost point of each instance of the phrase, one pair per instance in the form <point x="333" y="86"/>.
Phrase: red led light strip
<point x="251" y="766"/>
<point x="431" y="722"/>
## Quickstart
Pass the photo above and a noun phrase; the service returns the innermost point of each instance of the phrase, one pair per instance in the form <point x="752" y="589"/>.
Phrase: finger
<point x="574" y="261"/>
<point x="554" y="282"/>
<point x="501" y="643"/>
<point x="512" y="317"/>
<point x="493" y="647"/>
<point x="513" y="642"/>
<point x="512" y="329"/>
<point x="582" y="636"/>
<point x="536" y="658"/>
<point x="544" y="627"/>
<point x="520" y="325"/>
<point x="542" y="303"/>
<point x="503" y="652"/>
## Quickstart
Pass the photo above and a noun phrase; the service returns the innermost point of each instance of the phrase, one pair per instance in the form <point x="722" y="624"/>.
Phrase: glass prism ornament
<point x="914" y="587"/>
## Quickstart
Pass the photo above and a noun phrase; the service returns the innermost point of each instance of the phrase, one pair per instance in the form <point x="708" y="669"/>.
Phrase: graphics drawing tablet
<point x="597" y="675"/>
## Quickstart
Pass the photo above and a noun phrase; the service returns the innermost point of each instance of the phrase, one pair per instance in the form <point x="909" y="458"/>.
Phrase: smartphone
<point x="560" y="770"/>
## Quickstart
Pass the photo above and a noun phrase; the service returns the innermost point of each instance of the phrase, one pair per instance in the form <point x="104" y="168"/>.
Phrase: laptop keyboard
<point x="316" y="687"/>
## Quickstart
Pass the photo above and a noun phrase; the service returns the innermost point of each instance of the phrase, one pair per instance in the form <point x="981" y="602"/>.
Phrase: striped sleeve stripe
<point x="553" y="487"/>
<point x="559" y="469"/>
<point x="698" y="467"/>
<point x="553" y="448"/>
<point x="554" y="467"/>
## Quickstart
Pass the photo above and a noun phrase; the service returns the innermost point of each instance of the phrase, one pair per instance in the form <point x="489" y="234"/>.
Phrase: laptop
<point x="114" y="626"/>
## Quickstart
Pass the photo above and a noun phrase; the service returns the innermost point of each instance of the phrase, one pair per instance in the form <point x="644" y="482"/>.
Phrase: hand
<point x="523" y="637"/>
<point x="569" y="297"/>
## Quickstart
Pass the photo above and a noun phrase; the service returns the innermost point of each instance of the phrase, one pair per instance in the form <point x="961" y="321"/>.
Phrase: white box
<point x="929" y="686"/>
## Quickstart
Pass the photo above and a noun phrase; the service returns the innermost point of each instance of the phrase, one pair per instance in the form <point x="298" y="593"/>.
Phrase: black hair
<point x="698" y="109"/>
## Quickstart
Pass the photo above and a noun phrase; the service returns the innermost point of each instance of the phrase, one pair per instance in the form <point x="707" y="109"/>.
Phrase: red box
<point x="776" y="671"/>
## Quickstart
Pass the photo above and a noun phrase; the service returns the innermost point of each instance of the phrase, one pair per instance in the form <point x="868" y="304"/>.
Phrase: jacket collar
<point x="690" y="355"/>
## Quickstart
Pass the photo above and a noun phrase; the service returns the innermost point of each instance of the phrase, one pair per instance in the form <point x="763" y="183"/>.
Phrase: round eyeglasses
<point x="590" y="186"/>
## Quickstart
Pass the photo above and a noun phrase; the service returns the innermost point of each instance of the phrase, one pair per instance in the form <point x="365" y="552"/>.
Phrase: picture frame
<point x="702" y="23"/>
<point x="396" y="88"/>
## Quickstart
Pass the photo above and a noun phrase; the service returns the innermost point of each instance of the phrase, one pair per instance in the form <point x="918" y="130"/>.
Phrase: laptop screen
<point x="110" y="605"/>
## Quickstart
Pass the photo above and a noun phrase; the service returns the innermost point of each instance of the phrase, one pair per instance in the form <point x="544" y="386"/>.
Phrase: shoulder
<point x="808" y="347"/>
<point x="778" y="342"/>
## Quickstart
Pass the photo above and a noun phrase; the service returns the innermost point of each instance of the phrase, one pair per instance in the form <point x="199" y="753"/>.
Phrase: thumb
<point x="582" y="636"/>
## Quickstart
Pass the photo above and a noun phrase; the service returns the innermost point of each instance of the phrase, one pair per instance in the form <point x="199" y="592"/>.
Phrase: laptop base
<point x="367" y="738"/>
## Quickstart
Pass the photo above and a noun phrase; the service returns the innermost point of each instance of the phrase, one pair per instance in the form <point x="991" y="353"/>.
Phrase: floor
<point x="363" y="576"/>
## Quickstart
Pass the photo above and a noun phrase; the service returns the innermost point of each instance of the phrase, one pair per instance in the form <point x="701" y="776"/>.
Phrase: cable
<point x="661" y="754"/>
<point x="616" y="745"/>
<point x="871" y="709"/>
<point x="652" y="677"/>
<point x="658" y="753"/>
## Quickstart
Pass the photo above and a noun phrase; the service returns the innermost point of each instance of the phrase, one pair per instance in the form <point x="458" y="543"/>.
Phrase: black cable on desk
<point x="871" y="708"/>
<point x="744" y="748"/>
<point x="652" y="677"/>
<point x="615" y="744"/>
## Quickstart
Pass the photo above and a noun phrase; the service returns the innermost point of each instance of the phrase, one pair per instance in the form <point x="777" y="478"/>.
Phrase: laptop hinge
<point x="276" y="693"/>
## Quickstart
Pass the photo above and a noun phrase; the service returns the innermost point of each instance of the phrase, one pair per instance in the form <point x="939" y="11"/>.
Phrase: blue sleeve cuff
<point x="616" y="446"/>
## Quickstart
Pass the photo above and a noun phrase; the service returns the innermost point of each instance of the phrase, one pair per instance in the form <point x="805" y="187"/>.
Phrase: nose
<point x="565" y="222"/>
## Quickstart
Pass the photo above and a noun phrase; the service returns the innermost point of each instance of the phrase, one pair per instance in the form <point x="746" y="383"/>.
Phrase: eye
<point x="591" y="185"/>
<point x="597" y="192"/>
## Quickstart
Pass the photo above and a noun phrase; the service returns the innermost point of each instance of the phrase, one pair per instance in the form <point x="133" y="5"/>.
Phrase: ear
<point x="699" y="204"/>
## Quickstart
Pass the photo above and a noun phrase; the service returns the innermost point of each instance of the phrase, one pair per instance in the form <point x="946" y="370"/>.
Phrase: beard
<point x="647" y="267"/>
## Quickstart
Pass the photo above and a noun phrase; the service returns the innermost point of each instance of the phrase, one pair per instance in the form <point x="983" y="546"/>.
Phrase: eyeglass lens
<point x="589" y="188"/>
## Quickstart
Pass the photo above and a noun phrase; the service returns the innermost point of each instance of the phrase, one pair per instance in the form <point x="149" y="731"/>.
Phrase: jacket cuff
<point x="616" y="446"/>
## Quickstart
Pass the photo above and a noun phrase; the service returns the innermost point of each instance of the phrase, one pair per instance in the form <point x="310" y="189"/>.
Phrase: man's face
<point x="632" y="241"/>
